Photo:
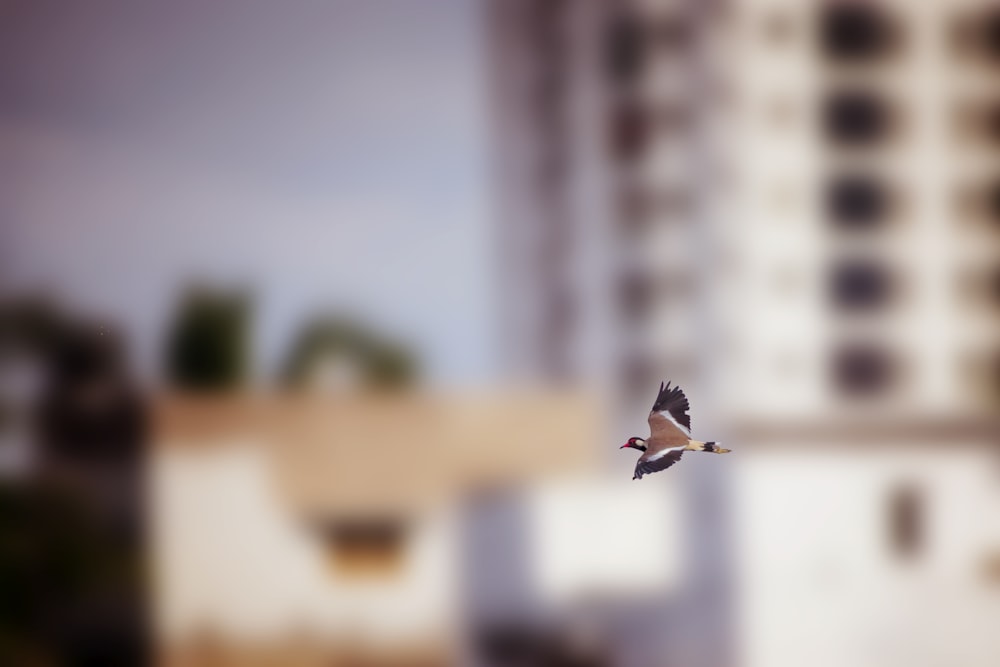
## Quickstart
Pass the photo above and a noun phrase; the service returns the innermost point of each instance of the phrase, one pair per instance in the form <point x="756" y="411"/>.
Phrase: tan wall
<point x="242" y="485"/>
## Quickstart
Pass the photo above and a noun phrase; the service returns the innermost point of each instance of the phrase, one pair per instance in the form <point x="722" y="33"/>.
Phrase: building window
<point x="637" y="293"/>
<point x="991" y="568"/>
<point x="978" y="122"/>
<point x="363" y="548"/>
<point x="855" y="117"/>
<point x="978" y="34"/>
<point x="988" y="122"/>
<point x="855" y="32"/>
<point x="513" y="643"/>
<point x="639" y="375"/>
<point x="860" y="285"/>
<point x="906" y="519"/>
<point x="625" y="48"/>
<point x="992" y="201"/>
<point x="989" y="33"/>
<point x="857" y="202"/>
<point x="994" y="381"/>
<point x="862" y="370"/>
<point x="981" y="370"/>
<point x="994" y="286"/>
<point x="630" y="125"/>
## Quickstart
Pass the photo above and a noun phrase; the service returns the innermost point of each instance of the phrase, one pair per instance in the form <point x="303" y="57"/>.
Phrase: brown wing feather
<point x="668" y="419"/>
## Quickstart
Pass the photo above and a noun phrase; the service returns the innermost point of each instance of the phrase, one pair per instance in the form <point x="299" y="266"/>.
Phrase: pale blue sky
<point x="330" y="154"/>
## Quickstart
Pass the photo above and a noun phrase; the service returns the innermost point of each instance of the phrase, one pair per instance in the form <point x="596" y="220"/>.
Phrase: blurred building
<point x="787" y="208"/>
<point x="401" y="530"/>
<point x="867" y="374"/>
<point x="605" y="169"/>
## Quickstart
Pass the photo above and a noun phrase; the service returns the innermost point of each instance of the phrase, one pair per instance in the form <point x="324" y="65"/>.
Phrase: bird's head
<point x="635" y="443"/>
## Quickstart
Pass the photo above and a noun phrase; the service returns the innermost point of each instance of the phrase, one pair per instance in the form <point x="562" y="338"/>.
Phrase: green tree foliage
<point x="381" y="363"/>
<point x="65" y="574"/>
<point x="207" y="346"/>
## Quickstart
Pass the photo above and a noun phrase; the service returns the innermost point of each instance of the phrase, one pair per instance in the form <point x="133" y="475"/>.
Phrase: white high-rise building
<point x="791" y="209"/>
<point x="604" y="157"/>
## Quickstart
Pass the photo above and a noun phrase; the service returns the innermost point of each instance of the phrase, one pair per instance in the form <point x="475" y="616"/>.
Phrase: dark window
<point x="862" y="369"/>
<point x="640" y="378"/>
<point x="636" y="295"/>
<point x="365" y="547"/>
<point x="856" y="117"/>
<point x="994" y="370"/>
<point x="641" y="374"/>
<point x="508" y="644"/>
<point x="625" y="49"/>
<point x="629" y="131"/>
<point x="549" y="10"/>
<point x="859" y="285"/>
<point x="906" y="521"/>
<point x="979" y="121"/>
<point x="990" y="123"/>
<point x="854" y="33"/>
<point x="855" y="202"/>
<point x="993" y="201"/>
<point x="990" y="33"/>
<point x="994" y="286"/>
<point x="979" y="33"/>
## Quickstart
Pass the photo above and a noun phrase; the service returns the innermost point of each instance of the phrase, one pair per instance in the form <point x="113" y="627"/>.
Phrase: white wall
<point x="818" y="582"/>
<point x="233" y="559"/>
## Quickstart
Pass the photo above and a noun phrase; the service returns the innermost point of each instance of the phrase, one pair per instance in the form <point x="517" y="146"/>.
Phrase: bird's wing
<point x="656" y="462"/>
<point x="669" y="423"/>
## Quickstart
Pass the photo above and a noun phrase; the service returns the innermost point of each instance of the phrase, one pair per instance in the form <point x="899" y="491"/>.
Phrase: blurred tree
<point x="69" y="587"/>
<point x="29" y="324"/>
<point x="207" y="345"/>
<point x="338" y="352"/>
<point x="72" y="534"/>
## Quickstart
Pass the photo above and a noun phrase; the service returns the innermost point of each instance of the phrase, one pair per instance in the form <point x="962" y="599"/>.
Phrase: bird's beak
<point x="623" y="446"/>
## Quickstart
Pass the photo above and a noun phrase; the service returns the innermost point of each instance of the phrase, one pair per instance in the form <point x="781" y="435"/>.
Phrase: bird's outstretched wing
<point x="669" y="423"/>
<point x="655" y="463"/>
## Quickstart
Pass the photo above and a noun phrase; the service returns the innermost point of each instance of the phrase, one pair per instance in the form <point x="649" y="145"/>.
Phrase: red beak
<point x="623" y="446"/>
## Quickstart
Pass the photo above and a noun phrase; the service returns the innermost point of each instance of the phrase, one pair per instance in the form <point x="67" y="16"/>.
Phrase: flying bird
<point x="669" y="434"/>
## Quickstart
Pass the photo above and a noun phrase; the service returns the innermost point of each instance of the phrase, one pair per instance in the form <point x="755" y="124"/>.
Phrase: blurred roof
<point x="390" y="454"/>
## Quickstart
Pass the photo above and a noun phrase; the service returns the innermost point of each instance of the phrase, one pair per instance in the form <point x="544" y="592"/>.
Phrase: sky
<point x="329" y="155"/>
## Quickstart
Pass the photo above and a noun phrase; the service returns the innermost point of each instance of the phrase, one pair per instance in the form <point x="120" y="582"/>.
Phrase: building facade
<point x="788" y="209"/>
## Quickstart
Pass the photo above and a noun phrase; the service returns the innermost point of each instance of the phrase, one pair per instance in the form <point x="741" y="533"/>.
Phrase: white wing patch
<point x="664" y="452"/>
<point x="666" y="413"/>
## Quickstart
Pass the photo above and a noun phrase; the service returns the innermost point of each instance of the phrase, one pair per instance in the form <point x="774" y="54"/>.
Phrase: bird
<point x="669" y="434"/>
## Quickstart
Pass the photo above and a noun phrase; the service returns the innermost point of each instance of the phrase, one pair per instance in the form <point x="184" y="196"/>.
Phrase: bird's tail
<point x="713" y="447"/>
